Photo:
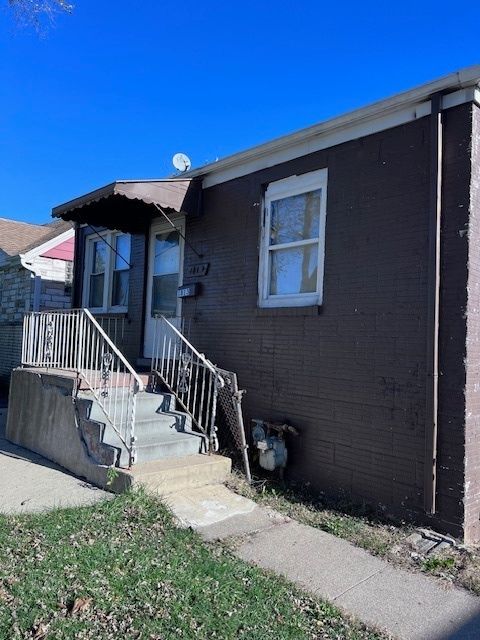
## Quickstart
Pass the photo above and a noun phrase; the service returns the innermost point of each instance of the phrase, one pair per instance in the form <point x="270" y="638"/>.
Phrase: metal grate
<point x="229" y="399"/>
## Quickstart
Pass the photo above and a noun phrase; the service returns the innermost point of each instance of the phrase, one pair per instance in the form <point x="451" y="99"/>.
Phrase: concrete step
<point x="176" y="474"/>
<point x="150" y="403"/>
<point x="167" y="445"/>
<point x="162" y="422"/>
<point x="160" y="431"/>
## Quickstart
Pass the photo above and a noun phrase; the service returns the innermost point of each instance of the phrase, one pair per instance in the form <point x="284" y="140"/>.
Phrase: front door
<point x="164" y="277"/>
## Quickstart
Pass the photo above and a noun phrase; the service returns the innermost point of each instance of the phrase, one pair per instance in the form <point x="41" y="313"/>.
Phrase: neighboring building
<point x="337" y="271"/>
<point x="36" y="267"/>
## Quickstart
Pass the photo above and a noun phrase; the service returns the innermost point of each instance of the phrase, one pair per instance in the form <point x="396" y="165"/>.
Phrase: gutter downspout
<point x="433" y="304"/>
<point x="37" y="283"/>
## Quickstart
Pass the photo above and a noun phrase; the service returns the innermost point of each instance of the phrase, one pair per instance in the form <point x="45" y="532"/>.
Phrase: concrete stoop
<point x="161" y="431"/>
<point x="172" y="475"/>
<point x="73" y="432"/>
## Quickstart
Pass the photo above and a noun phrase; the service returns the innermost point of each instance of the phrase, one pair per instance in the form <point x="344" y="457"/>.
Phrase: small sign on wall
<point x="188" y="290"/>
<point x="197" y="270"/>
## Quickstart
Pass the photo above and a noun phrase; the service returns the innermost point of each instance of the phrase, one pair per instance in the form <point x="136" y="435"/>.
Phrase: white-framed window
<point x="292" y="248"/>
<point x="107" y="271"/>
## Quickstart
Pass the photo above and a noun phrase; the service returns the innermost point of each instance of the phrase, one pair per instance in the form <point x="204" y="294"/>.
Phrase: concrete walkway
<point x="29" y="482"/>
<point x="409" y="606"/>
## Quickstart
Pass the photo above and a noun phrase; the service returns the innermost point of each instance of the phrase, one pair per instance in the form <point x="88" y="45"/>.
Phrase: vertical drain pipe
<point x="433" y="302"/>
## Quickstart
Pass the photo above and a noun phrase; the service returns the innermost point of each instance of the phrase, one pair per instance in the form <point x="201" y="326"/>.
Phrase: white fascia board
<point x="46" y="246"/>
<point x="379" y="116"/>
<point x="338" y="135"/>
<point x="476" y="98"/>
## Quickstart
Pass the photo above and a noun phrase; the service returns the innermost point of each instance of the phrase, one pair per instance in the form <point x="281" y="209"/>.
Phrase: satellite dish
<point x="181" y="162"/>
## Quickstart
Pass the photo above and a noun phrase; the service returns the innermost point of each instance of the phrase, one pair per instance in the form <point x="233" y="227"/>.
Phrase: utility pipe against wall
<point x="433" y="304"/>
<point x="36" y="285"/>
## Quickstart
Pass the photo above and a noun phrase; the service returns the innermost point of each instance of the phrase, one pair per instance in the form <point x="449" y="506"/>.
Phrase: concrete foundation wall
<point x="47" y="423"/>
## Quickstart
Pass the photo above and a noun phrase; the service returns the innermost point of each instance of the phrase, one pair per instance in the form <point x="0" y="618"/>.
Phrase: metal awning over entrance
<point x="129" y="205"/>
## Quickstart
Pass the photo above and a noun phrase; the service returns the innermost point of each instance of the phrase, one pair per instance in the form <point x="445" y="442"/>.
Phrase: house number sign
<point x="197" y="270"/>
<point x="188" y="290"/>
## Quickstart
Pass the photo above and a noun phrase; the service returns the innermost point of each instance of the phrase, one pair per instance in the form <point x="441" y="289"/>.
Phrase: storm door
<point x="165" y="260"/>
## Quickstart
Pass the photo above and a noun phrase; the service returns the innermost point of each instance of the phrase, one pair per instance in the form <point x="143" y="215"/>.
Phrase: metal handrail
<point x="189" y="375"/>
<point x="115" y="349"/>
<point x="74" y="341"/>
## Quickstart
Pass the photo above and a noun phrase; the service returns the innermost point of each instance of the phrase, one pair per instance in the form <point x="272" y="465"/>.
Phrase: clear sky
<point x="116" y="88"/>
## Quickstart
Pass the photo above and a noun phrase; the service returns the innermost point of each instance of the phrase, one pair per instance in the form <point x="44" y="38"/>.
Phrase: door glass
<point x="166" y="266"/>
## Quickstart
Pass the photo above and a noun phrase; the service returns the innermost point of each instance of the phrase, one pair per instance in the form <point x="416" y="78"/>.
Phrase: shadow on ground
<point x="468" y="631"/>
<point x="30" y="482"/>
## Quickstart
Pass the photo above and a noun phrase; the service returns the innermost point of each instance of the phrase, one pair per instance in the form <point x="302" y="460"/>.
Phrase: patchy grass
<point x="340" y="517"/>
<point x="434" y="564"/>
<point x="365" y="528"/>
<point x="121" y="569"/>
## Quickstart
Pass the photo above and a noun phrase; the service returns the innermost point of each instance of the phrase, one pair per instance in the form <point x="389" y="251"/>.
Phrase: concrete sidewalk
<point x="409" y="606"/>
<point x="29" y="482"/>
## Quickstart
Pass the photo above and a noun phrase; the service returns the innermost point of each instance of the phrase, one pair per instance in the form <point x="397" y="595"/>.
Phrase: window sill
<point x="312" y="310"/>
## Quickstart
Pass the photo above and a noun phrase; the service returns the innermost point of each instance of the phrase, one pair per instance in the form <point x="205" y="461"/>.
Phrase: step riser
<point x="164" y="424"/>
<point x="178" y="449"/>
<point x="160" y="431"/>
<point x="147" y="407"/>
<point x="189" y="476"/>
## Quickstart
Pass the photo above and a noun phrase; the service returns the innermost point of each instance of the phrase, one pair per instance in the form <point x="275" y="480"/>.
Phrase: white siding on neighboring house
<point x="40" y="284"/>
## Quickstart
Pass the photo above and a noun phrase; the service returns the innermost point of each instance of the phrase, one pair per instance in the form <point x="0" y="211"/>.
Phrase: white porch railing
<point x="74" y="341"/>
<point x="189" y="375"/>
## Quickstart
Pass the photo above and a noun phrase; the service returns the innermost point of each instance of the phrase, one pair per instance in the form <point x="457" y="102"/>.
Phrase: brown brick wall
<point x="351" y="375"/>
<point x="453" y="300"/>
<point x="472" y="390"/>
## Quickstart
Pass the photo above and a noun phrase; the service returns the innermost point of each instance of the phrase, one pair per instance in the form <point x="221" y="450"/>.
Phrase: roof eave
<point x="102" y="192"/>
<point x="461" y="79"/>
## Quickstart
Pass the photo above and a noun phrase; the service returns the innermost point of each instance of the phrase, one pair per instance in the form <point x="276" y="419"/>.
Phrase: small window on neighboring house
<point x="293" y="241"/>
<point x="107" y="263"/>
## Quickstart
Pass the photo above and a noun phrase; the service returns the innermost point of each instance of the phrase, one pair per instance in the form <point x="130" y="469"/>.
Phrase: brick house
<point x="336" y="270"/>
<point x="36" y="268"/>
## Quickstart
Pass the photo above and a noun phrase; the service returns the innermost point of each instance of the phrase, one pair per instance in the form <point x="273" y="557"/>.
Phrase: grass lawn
<point x="121" y="569"/>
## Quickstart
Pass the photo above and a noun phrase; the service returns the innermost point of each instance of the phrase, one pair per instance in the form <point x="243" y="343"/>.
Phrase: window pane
<point x="96" y="290"/>
<point x="122" y="245"/>
<point x="120" y="288"/>
<point x="99" y="256"/>
<point x="164" y="295"/>
<point x="167" y="253"/>
<point x="295" y="218"/>
<point x="294" y="270"/>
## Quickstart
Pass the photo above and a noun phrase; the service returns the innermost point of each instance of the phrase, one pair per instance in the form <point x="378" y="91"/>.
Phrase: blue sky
<point x="116" y="88"/>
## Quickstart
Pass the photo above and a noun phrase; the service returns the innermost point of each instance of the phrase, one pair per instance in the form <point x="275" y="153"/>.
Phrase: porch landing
<point x="121" y="379"/>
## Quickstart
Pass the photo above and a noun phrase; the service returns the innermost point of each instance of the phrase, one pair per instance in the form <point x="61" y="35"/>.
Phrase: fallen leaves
<point x="39" y="631"/>
<point x="79" y="605"/>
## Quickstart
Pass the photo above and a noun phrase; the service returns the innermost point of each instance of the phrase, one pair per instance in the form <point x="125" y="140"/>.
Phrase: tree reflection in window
<point x="293" y="244"/>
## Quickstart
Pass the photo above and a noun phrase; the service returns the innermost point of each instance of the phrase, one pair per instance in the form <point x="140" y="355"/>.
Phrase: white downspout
<point x="37" y="286"/>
